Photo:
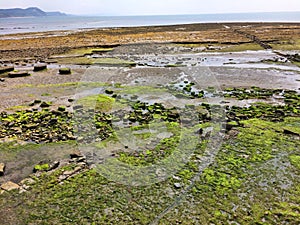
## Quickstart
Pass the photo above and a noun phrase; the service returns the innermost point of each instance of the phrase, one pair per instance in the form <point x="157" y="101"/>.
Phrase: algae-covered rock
<point x="61" y="108"/>
<point x="45" y="104"/>
<point x="39" y="67"/>
<point x="18" y="74"/>
<point x="64" y="71"/>
<point x="41" y="167"/>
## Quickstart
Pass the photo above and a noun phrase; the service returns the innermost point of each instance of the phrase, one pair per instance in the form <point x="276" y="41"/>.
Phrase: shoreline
<point x="206" y="33"/>
<point x="145" y="95"/>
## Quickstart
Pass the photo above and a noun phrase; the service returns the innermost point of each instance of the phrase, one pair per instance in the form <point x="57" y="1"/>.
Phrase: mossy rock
<point x="41" y="167"/>
<point x="45" y="104"/>
<point x="39" y="67"/>
<point x="18" y="74"/>
<point x="61" y="108"/>
<point x="64" y="71"/>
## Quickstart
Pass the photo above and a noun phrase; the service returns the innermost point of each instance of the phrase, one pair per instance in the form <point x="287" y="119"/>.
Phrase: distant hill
<point x="29" y="12"/>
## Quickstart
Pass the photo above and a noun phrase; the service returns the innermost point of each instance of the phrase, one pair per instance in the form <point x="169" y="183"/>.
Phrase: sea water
<point x="37" y="24"/>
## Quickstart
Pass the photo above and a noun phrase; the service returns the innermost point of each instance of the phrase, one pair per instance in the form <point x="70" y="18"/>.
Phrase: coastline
<point x="53" y="42"/>
<point x="168" y="87"/>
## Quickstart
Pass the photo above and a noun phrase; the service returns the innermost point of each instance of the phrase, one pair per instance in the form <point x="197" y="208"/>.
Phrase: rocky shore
<point x="219" y="101"/>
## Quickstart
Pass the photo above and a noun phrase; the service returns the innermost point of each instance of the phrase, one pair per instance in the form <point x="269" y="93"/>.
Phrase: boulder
<point x="2" y="168"/>
<point x="64" y="71"/>
<point x="9" y="186"/>
<point x="39" y="67"/>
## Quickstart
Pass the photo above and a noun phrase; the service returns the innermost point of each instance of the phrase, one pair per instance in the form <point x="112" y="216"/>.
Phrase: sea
<point x="38" y="24"/>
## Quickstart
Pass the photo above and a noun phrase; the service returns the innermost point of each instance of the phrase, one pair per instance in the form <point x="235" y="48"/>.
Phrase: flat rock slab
<point x="18" y="74"/>
<point x="2" y="168"/>
<point x="9" y="186"/>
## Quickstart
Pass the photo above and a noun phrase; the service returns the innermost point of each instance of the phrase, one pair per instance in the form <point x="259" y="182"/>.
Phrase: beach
<point x="175" y="124"/>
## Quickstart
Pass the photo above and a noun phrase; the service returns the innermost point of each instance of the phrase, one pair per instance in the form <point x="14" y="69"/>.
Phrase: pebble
<point x="177" y="185"/>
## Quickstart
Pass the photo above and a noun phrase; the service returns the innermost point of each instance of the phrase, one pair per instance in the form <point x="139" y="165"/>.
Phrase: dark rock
<point x="109" y="92"/>
<point x="289" y="132"/>
<point x="61" y="108"/>
<point x="231" y="125"/>
<point x="64" y="71"/>
<point x="18" y="74"/>
<point x="199" y="131"/>
<point x="2" y="169"/>
<point x="37" y="101"/>
<point x="2" y="79"/>
<point x="39" y="67"/>
<point x="45" y="104"/>
<point x="6" y="69"/>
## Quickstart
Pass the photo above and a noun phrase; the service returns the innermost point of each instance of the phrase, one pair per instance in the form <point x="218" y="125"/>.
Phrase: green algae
<point x="241" y="47"/>
<point x="219" y="47"/>
<point x="42" y="167"/>
<point x="67" y="84"/>
<point x="162" y="150"/>
<point x="295" y="161"/>
<point x="87" y="51"/>
<point x="239" y="168"/>
<point x="96" y="61"/>
<point x="286" y="45"/>
<point x="100" y="102"/>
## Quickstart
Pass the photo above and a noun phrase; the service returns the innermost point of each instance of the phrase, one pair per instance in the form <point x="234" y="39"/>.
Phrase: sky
<point x="154" y="7"/>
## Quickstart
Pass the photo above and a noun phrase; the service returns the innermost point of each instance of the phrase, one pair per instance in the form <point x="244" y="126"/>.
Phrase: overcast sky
<point x="154" y="7"/>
